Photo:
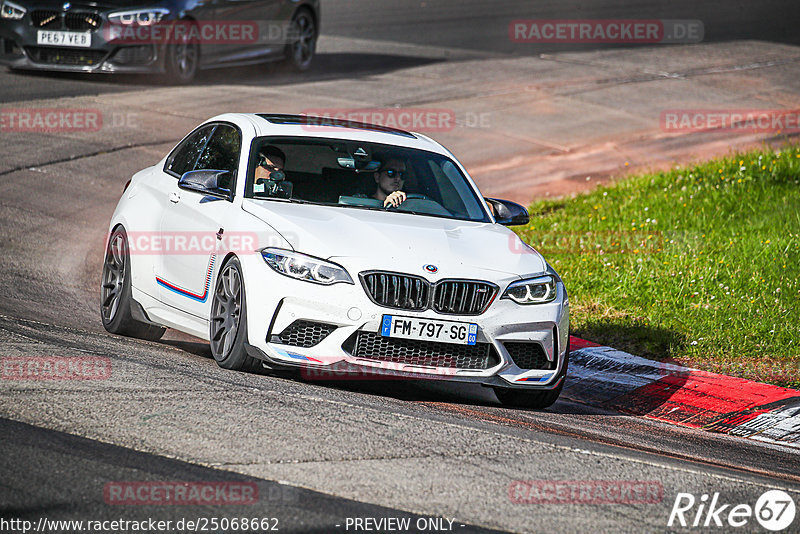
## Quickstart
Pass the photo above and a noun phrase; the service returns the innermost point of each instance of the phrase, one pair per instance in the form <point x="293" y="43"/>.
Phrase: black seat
<point x="338" y="182"/>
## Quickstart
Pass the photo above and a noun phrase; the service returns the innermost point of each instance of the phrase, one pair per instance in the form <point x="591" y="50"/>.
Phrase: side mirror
<point x="508" y="213"/>
<point x="209" y="182"/>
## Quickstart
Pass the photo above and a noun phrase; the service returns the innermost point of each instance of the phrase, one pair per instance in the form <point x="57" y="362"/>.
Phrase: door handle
<point x="174" y="197"/>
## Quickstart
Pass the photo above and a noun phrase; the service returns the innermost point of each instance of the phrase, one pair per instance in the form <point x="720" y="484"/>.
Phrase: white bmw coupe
<point x="292" y="241"/>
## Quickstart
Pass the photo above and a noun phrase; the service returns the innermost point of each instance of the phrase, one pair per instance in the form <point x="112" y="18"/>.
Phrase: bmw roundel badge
<point x="431" y="268"/>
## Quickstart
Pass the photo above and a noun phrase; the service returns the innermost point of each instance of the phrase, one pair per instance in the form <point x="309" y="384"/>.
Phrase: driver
<point x="271" y="159"/>
<point x="389" y="180"/>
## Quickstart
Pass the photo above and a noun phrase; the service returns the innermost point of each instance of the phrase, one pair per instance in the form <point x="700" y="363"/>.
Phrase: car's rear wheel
<point x="228" y="325"/>
<point x="303" y="41"/>
<point x="521" y="398"/>
<point x="115" y="295"/>
<point x="182" y="60"/>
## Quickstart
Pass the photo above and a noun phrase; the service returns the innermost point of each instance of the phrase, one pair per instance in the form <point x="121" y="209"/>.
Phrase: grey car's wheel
<point x="115" y="292"/>
<point x="520" y="398"/>
<point x="182" y="60"/>
<point x="303" y="41"/>
<point x="228" y="325"/>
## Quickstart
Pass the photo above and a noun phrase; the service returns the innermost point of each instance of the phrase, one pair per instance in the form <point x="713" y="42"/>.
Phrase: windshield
<point x="352" y="174"/>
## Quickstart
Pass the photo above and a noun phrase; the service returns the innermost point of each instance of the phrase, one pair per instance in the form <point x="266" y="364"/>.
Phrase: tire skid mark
<point x="593" y="437"/>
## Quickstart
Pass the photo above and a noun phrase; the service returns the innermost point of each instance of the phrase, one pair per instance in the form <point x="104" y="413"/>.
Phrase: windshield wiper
<point x="384" y="208"/>
<point x="290" y="200"/>
<point x="358" y="207"/>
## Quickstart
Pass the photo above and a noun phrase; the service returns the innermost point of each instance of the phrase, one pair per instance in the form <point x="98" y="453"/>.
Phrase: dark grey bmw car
<point x="173" y="37"/>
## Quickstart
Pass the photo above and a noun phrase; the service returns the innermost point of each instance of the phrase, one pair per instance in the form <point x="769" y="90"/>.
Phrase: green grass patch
<point x="697" y="265"/>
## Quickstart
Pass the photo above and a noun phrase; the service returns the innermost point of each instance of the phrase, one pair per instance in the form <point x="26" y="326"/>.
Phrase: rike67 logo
<point x="774" y="510"/>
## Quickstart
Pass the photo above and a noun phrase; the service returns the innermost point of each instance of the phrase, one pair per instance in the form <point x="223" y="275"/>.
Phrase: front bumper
<point x="19" y="50"/>
<point x="350" y="315"/>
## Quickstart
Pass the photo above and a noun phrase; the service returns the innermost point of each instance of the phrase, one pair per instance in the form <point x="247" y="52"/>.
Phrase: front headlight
<point x="303" y="267"/>
<point x="142" y="17"/>
<point x="12" y="11"/>
<point x="532" y="291"/>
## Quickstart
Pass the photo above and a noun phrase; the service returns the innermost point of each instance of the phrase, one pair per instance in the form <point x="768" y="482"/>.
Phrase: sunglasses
<point x="391" y="173"/>
<point x="262" y="162"/>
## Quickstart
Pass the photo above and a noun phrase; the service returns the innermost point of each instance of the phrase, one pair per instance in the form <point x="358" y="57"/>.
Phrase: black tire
<point x="538" y="400"/>
<point x="228" y="321"/>
<point x="181" y="61"/>
<point x="303" y="36"/>
<point x="115" y="292"/>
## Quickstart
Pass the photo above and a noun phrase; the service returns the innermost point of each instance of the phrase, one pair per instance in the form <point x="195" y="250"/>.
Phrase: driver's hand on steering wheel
<point x="394" y="199"/>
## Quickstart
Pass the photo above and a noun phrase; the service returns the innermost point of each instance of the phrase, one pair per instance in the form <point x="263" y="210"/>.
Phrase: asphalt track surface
<point x="476" y="25"/>
<point x="320" y="453"/>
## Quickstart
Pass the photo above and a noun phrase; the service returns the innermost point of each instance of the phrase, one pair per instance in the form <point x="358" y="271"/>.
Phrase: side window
<point x="222" y="151"/>
<point x="184" y="157"/>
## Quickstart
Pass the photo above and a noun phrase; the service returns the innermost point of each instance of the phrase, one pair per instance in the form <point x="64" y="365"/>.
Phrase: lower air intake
<point x="529" y="355"/>
<point x="372" y="346"/>
<point x="303" y="334"/>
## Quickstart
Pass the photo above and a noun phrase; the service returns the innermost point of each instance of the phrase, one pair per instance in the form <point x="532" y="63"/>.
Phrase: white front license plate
<point x="53" y="38"/>
<point x="429" y="330"/>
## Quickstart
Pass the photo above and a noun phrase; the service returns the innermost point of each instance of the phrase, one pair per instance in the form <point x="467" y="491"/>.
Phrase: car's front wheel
<point x="303" y="41"/>
<point x="182" y="60"/>
<point x="521" y="398"/>
<point x="228" y="325"/>
<point x="115" y="294"/>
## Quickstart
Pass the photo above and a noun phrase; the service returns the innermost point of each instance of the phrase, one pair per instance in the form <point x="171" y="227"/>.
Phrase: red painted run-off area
<point x="699" y="399"/>
<point x="576" y="343"/>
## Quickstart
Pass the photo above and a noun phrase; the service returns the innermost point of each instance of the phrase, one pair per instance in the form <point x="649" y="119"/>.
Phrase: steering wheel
<point x="413" y="196"/>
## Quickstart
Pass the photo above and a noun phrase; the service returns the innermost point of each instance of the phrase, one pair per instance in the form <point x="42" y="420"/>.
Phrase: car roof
<point x="330" y="122"/>
<point x="283" y="125"/>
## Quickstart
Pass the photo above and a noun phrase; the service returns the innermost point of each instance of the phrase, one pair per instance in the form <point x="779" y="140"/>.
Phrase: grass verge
<point x="698" y="265"/>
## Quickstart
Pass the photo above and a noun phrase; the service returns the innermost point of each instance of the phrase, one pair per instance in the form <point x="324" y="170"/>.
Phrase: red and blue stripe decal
<point x="185" y="292"/>
<point x="304" y="358"/>
<point x="297" y="356"/>
<point x="544" y="378"/>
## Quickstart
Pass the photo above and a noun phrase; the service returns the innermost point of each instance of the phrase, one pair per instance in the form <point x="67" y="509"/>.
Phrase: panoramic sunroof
<point x="327" y="121"/>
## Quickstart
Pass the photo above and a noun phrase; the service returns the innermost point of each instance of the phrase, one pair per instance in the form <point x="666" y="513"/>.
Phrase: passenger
<point x="270" y="160"/>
